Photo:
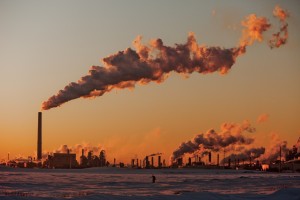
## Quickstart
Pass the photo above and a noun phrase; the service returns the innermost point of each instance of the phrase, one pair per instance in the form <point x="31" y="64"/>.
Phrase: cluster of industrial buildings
<point x="68" y="160"/>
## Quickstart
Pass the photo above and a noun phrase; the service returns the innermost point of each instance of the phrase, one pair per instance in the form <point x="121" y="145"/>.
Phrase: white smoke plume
<point x="273" y="152"/>
<point x="229" y="136"/>
<point x="126" y="68"/>
<point x="153" y="63"/>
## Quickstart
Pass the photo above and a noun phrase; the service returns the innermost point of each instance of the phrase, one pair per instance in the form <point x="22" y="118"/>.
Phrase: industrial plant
<point x="288" y="161"/>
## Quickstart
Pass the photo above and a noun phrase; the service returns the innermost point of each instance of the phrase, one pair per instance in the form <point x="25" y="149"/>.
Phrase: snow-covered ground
<point x="115" y="183"/>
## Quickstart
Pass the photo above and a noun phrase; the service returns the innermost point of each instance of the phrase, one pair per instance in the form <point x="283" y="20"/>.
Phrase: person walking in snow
<point x="153" y="178"/>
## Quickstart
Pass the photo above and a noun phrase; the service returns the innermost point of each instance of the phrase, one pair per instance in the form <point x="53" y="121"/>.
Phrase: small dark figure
<point x="153" y="179"/>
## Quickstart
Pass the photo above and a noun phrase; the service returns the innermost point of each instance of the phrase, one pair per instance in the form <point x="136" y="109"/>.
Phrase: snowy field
<point x="129" y="184"/>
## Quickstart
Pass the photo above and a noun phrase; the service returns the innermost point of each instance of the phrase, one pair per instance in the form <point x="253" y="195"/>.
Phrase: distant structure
<point x="62" y="161"/>
<point x="147" y="164"/>
<point x="292" y="154"/>
<point x="39" y="138"/>
<point x="93" y="160"/>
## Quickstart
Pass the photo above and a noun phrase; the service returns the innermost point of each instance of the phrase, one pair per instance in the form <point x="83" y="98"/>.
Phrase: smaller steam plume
<point x="280" y="38"/>
<point x="246" y="154"/>
<point x="231" y="138"/>
<point x="272" y="152"/>
<point x="78" y="148"/>
<point x="262" y="118"/>
<point x="230" y="135"/>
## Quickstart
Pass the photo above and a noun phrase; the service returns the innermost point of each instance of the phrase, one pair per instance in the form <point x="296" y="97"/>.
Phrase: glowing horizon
<point x="48" y="44"/>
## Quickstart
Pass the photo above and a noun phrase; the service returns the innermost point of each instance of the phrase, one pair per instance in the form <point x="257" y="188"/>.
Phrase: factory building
<point x="61" y="161"/>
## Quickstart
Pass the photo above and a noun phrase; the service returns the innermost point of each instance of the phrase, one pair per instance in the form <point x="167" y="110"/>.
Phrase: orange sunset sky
<point x="45" y="45"/>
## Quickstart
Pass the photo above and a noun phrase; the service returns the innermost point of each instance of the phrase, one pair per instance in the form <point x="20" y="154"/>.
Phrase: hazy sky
<point x="45" y="45"/>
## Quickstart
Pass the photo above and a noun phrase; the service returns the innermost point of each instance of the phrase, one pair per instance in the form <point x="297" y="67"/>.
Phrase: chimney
<point x="39" y="141"/>
<point x="159" y="161"/>
<point x="152" y="161"/>
<point x="147" y="162"/>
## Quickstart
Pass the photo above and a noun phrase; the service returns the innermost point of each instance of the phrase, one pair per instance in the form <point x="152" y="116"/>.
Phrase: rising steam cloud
<point x="78" y="148"/>
<point x="272" y="152"/>
<point x="155" y="61"/>
<point x="232" y="139"/>
<point x="230" y="136"/>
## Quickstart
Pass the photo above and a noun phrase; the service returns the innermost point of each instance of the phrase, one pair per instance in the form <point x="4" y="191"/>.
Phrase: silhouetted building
<point x="179" y="162"/>
<point x="190" y="162"/>
<point x="292" y="154"/>
<point x="83" y="159"/>
<point x="102" y="158"/>
<point x="62" y="160"/>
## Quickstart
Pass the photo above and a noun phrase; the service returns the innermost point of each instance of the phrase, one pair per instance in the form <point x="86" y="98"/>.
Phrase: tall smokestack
<point x="159" y="161"/>
<point x="39" y="141"/>
<point x="152" y="161"/>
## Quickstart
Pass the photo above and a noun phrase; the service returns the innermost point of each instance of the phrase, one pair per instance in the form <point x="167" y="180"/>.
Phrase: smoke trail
<point x="246" y="154"/>
<point x="126" y="68"/>
<point x="280" y="37"/>
<point x="155" y="61"/>
<point x="230" y="135"/>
